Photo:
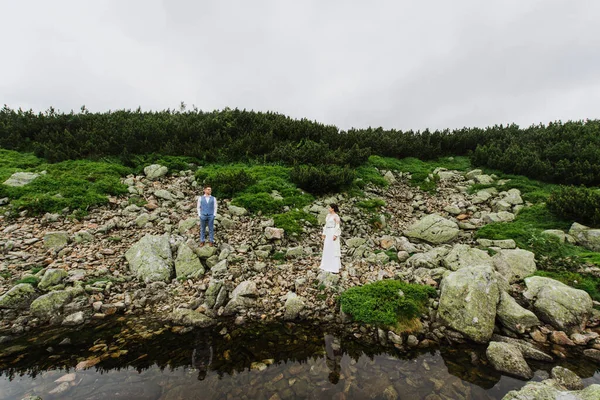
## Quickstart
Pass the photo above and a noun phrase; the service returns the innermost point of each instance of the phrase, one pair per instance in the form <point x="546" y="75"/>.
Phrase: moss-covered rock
<point x="507" y="358"/>
<point x="513" y="316"/>
<point x="50" y="304"/>
<point x="150" y="259"/>
<point x="433" y="229"/>
<point x="18" y="297"/>
<point x="187" y="263"/>
<point x="56" y="239"/>
<point x="52" y="277"/>
<point x="562" y="306"/>
<point x="468" y="302"/>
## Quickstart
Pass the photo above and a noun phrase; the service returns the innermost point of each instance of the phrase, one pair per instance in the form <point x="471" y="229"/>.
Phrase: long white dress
<point x="330" y="260"/>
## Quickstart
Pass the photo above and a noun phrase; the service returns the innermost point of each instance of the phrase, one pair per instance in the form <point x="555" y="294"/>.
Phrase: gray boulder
<point x="215" y="295"/>
<point x="293" y="305"/>
<point x="244" y="295"/>
<point x="514" y="264"/>
<point x="463" y="255"/>
<point x="514" y="317"/>
<point x="155" y="171"/>
<point x="500" y="216"/>
<point x="468" y="302"/>
<point x="586" y="237"/>
<point x="234" y="210"/>
<point x="164" y="194"/>
<point x="21" y="178"/>
<point x="272" y="233"/>
<point x="187" y="263"/>
<point x="430" y="259"/>
<point x="566" y="378"/>
<point x="187" y="224"/>
<point x="562" y="237"/>
<point x="18" y="297"/>
<point x="187" y="317"/>
<point x="507" y="358"/>
<point x="50" y="304"/>
<point x="562" y="306"/>
<point x="56" y="239"/>
<point x="52" y="277"/>
<point x="528" y="350"/>
<point x="544" y="391"/>
<point x="150" y="259"/>
<point x="433" y="229"/>
<point x="83" y="236"/>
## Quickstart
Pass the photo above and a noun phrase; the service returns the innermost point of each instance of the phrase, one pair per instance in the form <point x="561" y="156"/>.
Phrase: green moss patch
<point x="385" y="302"/>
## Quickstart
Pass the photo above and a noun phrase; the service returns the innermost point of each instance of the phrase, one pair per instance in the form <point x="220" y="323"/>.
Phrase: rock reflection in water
<point x="279" y="362"/>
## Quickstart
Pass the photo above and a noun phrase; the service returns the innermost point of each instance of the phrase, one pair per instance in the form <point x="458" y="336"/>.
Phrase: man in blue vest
<point x="207" y="211"/>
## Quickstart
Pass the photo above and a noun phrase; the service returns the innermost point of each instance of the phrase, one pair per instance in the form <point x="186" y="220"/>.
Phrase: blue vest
<point x="207" y="208"/>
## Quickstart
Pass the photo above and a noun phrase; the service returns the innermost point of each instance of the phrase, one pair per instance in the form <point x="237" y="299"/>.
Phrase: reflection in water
<point x="288" y="361"/>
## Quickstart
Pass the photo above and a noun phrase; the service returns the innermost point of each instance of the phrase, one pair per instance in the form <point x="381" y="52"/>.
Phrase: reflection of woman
<point x="334" y="357"/>
<point x="330" y="260"/>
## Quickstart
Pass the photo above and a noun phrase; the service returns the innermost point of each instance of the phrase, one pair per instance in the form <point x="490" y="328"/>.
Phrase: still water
<point x="141" y="360"/>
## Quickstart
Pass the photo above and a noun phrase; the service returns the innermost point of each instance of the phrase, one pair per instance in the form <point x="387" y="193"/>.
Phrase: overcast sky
<point x="397" y="64"/>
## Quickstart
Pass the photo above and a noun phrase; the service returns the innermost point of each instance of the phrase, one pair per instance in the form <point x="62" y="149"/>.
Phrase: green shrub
<point x="293" y="221"/>
<point x="578" y="203"/>
<point x="259" y="202"/>
<point x="385" y="302"/>
<point x="226" y="183"/>
<point x="322" y="179"/>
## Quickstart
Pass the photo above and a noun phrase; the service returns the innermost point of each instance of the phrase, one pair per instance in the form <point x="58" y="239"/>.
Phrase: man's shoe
<point x="210" y="244"/>
<point x="201" y="244"/>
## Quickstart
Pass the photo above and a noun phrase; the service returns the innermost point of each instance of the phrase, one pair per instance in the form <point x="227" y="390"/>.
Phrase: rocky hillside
<point x="130" y="259"/>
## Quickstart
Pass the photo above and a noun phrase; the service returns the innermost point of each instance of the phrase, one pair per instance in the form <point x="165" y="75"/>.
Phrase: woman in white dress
<point x="330" y="260"/>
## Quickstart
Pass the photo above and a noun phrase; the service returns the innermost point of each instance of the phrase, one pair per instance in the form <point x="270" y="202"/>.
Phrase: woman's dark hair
<point x="335" y="207"/>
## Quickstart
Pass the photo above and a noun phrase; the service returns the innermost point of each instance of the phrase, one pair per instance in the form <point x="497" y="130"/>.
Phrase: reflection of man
<point x="202" y="356"/>
<point x="207" y="211"/>
<point x="334" y="357"/>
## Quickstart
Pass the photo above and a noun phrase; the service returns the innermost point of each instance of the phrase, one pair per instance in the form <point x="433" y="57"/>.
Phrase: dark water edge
<point x="142" y="359"/>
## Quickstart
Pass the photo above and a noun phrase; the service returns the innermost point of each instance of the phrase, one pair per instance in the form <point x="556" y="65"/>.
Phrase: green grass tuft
<point x="385" y="302"/>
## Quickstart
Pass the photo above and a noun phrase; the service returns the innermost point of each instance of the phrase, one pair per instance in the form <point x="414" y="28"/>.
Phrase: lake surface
<point x="141" y="360"/>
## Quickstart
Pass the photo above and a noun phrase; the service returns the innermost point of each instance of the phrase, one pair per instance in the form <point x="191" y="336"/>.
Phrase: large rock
<point x="50" y="304"/>
<point x="52" y="277"/>
<point x="187" y="317"/>
<point x="216" y="294"/>
<point x="155" y="171"/>
<point x="528" y="350"/>
<point x="468" y="302"/>
<point x="272" y="233"/>
<point x="507" y="358"/>
<point x="560" y="235"/>
<point x="187" y="224"/>
<point x="566" y="378"/>
<point x="433" y="229"/>
<point x="544" y="391"/>
<point x="293" y="305"/>
<point x="500" y="216"/>
<point x="586" y="237"/>
<point x="244" y="295"/>
<point x="19" y="297"/>
<point x="21" y="178"/>
<point x="234" y="210"/>
<point x="56" y="239"/>
<point x="513" y="197"/>
<point x="463" y="255"/>
<point x="514" y="264"/>
<point x="433" y="258"/>
<point x="513" y="316"/>
<point x="187" y="263"/>
<point x="150" y="259"/>
<point x="164" y="194"/>
<point x="562" y="306"/>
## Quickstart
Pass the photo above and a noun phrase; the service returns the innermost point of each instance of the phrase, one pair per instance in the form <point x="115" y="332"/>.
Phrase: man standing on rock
<point x="207" y="211"/>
